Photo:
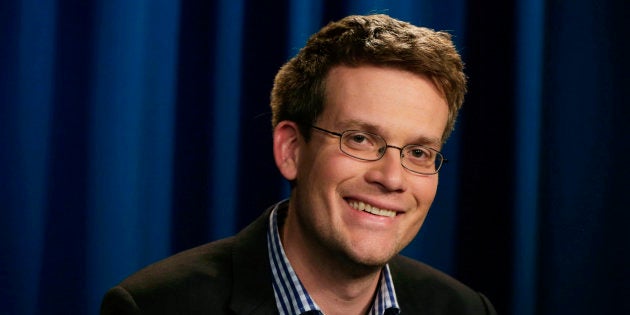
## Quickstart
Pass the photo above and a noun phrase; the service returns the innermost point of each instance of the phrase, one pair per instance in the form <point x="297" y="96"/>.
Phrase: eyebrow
<point x="355" y="124"/>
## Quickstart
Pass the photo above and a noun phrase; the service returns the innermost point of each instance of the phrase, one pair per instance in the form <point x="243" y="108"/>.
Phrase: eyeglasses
<point x="368" y="146"/>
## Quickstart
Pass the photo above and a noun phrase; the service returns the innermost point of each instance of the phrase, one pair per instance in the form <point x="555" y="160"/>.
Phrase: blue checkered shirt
<point x="292" y="297"/>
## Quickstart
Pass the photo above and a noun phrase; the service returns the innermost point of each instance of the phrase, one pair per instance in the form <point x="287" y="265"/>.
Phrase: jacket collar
<point x="252" y="292"/>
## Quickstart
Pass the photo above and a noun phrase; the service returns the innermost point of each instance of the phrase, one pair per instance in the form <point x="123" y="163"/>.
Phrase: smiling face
<point x="340" y="206"/>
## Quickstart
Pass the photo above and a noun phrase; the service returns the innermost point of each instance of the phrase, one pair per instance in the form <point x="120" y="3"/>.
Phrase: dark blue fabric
<point x="130" y="130"/>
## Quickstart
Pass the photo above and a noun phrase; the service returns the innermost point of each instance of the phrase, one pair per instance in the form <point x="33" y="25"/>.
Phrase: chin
<point x="362" y="267"/>
<point x="369" y="262"/>
<point x="374" y="253"/>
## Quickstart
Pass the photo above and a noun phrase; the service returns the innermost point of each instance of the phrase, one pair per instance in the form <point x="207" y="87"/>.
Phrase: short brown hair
<point x="379" y="40"/>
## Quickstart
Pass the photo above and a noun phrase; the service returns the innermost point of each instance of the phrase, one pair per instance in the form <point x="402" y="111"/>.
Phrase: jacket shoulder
<point x="193" y="280"/>
<point x="223" y="277"/>
<point x="422" y="289"/>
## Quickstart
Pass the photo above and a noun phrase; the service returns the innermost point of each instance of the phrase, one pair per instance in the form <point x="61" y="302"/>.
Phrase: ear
<point x="286" y="148"/>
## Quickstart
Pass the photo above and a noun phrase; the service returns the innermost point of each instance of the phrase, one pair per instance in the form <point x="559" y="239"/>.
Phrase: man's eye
<point x="418" y="153"/>
<point x="359" y="138"/>
<point x="360" y="141"/>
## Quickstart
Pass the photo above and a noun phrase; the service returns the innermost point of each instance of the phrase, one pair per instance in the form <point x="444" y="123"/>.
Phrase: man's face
<point x="401" y="107"/>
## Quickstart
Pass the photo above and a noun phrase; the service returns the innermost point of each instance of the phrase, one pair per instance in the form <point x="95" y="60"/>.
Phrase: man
<point x="359" y="117"/>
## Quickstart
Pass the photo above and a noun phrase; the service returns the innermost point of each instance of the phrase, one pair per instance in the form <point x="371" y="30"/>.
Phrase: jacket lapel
<point x="252" y="289"/>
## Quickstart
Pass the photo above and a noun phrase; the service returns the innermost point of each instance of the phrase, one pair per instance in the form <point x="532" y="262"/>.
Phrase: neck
<point x="337" y="284"/>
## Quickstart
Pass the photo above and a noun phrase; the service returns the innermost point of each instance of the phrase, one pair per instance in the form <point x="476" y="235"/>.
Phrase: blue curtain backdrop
<point x="130" y="130"/>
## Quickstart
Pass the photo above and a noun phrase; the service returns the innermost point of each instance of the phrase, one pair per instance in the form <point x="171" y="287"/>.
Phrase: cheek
<point x="424" y="192"/>
<point x="326" y="167"/>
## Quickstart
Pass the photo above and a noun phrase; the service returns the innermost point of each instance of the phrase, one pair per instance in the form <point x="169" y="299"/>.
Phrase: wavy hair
<point x="298" y="93"/>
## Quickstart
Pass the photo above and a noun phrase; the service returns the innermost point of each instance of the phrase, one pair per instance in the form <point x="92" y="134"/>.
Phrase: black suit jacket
<point x="233" y="276"/>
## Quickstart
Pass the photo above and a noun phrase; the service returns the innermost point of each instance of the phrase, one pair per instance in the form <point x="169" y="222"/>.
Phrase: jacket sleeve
<point x="118" y="301"/>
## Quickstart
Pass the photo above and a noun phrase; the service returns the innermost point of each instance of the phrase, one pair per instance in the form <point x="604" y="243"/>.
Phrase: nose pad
<point x="401" y="153"/>
<point x="399" y="156"/>
<point x="381" y="150"/>
<point x="388" y="170"/>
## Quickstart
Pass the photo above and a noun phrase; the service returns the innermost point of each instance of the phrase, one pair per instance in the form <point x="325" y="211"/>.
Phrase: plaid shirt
<point x="292" y="297"/>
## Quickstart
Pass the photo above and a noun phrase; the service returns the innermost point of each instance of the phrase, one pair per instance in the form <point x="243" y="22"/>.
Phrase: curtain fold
<point x="528" y="102"/>
<point x="584" y="250"/>
<point x="24" y="123"/>
<point x="131" y="130"/>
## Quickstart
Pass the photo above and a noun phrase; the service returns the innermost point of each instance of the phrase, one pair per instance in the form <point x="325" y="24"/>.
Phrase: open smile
<point x="362" y="206"/>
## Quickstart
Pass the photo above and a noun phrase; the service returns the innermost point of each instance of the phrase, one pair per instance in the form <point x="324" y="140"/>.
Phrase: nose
<point x="388" y="171"/>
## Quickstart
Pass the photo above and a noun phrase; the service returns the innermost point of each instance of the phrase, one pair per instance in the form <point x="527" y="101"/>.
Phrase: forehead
<point x="388" y="101"/>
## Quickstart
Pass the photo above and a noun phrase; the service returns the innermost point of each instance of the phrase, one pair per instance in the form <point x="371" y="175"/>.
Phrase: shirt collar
<point x="292" y="297"/>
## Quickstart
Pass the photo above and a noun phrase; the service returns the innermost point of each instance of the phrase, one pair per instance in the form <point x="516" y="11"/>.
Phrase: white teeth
<point x="360" y="205"/>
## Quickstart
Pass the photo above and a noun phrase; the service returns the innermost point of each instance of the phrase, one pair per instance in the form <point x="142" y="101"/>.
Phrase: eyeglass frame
<point x="438" y="155"/>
